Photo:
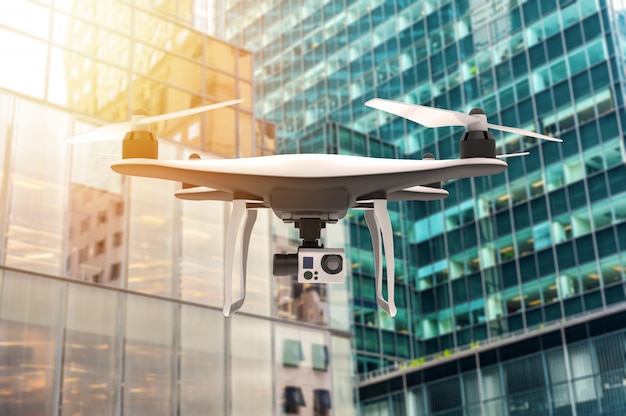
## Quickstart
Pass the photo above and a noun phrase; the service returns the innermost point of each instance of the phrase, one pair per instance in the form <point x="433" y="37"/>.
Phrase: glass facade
<point x="111" y="288"/>
<point x="539" y="245"/>
<point x="575" y="370"/>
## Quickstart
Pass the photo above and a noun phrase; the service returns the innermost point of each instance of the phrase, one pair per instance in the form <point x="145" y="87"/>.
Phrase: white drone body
<point x="312" y="190"/>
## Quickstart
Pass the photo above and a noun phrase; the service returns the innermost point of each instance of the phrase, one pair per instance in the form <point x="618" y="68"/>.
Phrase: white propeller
<point x="437" y="117"/>
<point x="116" y="131"/>
<point x="191" y="111"/>
<point x="512" y="155"/>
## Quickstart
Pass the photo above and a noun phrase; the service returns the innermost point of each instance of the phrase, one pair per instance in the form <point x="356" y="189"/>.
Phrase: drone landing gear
<point x="240" y="211"/>
<point x="379" y="223"/>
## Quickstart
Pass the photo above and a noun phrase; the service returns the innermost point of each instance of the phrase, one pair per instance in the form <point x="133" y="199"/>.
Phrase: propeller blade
<point x="512" y="155"/>
<point x="523" y="132"/>
<point x="114" y="131"/>
<point x="118" y="156"/>
<point x="438" y="117"/>
<point x="191" y="111"/>
<point x="426" y="116"/>
<point x="117" y="131"/>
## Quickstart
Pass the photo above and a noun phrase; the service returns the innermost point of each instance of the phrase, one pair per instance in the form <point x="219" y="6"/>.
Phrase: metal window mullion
<point x="176" y="359"/>
<point x="177" y="310"/>
<point x="60" y="352"/>
<point x="5" y="194"/>
<point x="546" y="376"/>
<point x="227" y="367"/>
<point x="227" y="336"/>
<point x="461" y="379"/>
<point x="550" y="220"/>
<point x="516" y="259"/>
<point x="479" y="376"/>
<point x="501" y="373"/>
<point x="122" y="300"/>
<point x="407" y="291"/>
<point x="568" y="371"/>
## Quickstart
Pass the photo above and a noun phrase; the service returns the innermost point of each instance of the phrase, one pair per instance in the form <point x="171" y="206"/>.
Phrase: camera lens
<point x="332" y="263"/>
<point x="285" y="264"/>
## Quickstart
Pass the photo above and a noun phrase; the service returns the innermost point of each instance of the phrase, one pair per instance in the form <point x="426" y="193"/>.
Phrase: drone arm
<point x="378" y="222"/>
<point x="237" y="216"/>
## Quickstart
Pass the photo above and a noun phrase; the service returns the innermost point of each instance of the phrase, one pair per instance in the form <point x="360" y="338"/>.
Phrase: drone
<point x="311" y="191"/>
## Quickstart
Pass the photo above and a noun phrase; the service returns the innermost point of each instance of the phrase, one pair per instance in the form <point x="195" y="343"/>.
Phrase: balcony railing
<point x="431" y="360"/>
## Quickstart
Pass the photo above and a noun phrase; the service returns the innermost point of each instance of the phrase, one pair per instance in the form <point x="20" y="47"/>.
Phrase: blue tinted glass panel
<point x="565" y="255"/>
<point x="537" y="55"/>
<point x="428" y="301"/>
<point x="606" y="242"/>
<point x="572" y="306"/>
<point x="616" y="180"/>
<point x="459" y="290"/>
<point x="547" y="6"/>
<point x="503" y="222"/>
<point x="539" y="209"/>
<point x="544" y="102"/>
<point x="389" y="347"/>
<point x="555" y="46"/>
<point x="553" y="312"/>
<point x="546" y="262"/>
<point x="475" y="286"/>
<point x="534" y="317"/>
<point x="573" y="146"/>
<point x="614" y="294"/>
<point x="573" y="37"/>
<point x="467" y="46"/>
<point x="515" y="322"/>
<point x="528" y="271"/>
<point x="591" y="27"/>
<point x="581" y="85"/>
<point x="593" y="300"/>
<point x="531" y="11"/>
<point x="608" y="126"/>
<point x="589" y="134"/>
<point x="584" y="249"/>
<point x="521" y="216"/>
<point x="577" y="195"/>
<point x="520" y="64"/>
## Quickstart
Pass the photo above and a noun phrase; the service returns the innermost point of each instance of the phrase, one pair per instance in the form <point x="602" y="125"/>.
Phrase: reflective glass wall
<point x="110" y="287"/>
<point x="577" y="370"/>
<point x="501" y="255"/>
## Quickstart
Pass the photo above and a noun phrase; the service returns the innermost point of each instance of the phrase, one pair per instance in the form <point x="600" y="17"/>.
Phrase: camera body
<point x="321" y="265"/>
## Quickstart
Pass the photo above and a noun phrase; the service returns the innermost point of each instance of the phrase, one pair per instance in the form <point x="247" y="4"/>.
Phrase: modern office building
<point x="511" y="291"/>
<point x="111" y="288"/>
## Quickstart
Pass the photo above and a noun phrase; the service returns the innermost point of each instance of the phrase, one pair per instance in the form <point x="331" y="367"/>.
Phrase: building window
<point x="102" y="217"/>
<point x="100" y="247"/>
<point x="118" y="239"/>
<point x="119" y="209"/>
<point x="84" y="225"/>
<point x="292" y="353"/>
<point x="293" y="399"/>
<point x="320" y="357"/>
<point x="115" y="272"/>
<point x="322" y="403"/>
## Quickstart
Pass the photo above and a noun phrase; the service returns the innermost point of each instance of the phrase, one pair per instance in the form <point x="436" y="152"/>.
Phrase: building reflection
<point x="96" y="234"/>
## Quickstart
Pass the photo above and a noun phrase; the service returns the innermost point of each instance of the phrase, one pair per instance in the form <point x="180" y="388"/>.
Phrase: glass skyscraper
<point x="511" y="291"/>
<point x="110" y="287"/>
